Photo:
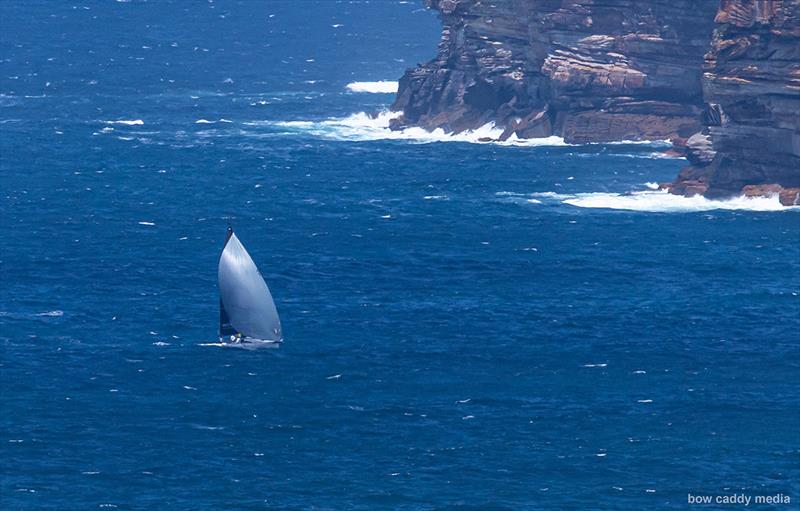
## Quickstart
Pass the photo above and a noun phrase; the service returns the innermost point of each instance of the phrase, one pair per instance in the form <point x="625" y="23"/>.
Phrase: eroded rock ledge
<point x="722" y="80"/>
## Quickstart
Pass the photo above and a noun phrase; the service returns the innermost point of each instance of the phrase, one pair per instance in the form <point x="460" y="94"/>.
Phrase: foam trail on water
<point x="649" y="143"/>
<point x="126" y="122"/>
<point x="363" y="127"/>
<point x="661" y="201"/>
<point x="380" y="87"/>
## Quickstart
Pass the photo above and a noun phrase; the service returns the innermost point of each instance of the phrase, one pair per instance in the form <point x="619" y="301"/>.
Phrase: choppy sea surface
<point x="526" y="325"/>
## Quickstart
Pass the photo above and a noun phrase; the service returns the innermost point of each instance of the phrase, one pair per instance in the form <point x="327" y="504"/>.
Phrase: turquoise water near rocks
<point x="468" y="325"/>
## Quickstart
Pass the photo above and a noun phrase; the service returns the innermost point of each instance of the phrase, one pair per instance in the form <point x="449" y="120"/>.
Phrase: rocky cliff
<point x="751" y="85"/>
<point x="722" y="76"/>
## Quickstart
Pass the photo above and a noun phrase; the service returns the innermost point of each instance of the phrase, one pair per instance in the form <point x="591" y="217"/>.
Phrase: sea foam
<point x="126" y="122"/>
<point x="364" y="127"/>
<point x="661" y="201"/>
<point x="380" y="87"/>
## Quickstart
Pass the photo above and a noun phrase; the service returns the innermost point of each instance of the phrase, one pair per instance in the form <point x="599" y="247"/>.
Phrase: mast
<point x="226" y="329"/>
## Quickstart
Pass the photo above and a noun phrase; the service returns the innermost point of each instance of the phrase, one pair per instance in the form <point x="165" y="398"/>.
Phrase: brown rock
<point x="790" y="196"/>
<point x="752" y="81"/>
<point x="593" y="67"/>
<point x="766" y="190"/>
<point x="723" y="77"/>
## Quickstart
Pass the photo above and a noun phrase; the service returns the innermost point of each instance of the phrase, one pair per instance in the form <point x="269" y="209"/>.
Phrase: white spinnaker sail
<point x="245" y="296"/>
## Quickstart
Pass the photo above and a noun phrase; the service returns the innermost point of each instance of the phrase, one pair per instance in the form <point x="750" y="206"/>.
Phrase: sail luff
<point x="226" y="329"/>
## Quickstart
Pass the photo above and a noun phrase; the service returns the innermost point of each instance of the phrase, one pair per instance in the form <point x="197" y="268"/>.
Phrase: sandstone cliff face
<point x="752" y="86"/>
<point x="723" y="78"/>
<point x="588" y="70"/>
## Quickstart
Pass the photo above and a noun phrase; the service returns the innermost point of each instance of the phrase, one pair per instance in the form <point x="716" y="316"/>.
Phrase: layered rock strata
<point x="751" y="85"/>
<point x="587" y="70"/>
<point x="720" y="78"/>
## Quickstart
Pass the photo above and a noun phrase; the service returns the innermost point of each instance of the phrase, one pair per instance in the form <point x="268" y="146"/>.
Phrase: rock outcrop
<point x="752" y="87"/>
<point x="720" y="78"/>
<point x="587" y="70"/>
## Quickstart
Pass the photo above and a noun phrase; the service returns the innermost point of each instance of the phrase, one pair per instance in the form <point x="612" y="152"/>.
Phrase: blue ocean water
<point x="468" y="326"/>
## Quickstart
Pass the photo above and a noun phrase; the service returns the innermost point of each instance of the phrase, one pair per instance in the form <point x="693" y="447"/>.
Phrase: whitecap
<point x="126" y="122"/>
<point x="549" y="195"/>
<point x="379" y="87"/>
<point x="52" y="314"/>
<point x="208" y="428"/>
<point x="146" y="223"/>
<point x="206" y="121"/>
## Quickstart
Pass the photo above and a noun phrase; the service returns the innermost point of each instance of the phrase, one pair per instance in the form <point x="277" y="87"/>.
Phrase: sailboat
<point x="247" y="313"/>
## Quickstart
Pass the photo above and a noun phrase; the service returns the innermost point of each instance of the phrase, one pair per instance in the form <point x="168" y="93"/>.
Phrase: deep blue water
<point x="459" y="334"/>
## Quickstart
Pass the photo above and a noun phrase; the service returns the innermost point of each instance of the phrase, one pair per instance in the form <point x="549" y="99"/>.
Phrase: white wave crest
<point x="206" y="121"/>
<point x="661" y="201"/>
<point x="381" y="87"/>
<point x="363" y="127"/>
<point x="126" y="122"/>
